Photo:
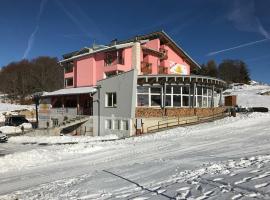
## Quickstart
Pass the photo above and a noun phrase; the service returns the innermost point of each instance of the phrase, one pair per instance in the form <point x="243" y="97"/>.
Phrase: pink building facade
<point x="150" y="57"/>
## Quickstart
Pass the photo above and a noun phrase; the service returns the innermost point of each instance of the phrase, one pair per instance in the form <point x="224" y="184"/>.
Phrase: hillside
<point x="250" y="95"/>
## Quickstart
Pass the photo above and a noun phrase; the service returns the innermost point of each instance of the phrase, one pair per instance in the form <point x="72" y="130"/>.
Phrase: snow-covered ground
<point x="225" y="159"/>
<point x="249" y="95"/>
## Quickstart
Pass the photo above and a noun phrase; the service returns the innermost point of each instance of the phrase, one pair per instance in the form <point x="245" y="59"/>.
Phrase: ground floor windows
<point x="156" y="100"/>
<point x="108" y="124"/>
<point x="176" y="96"/>
<point x="143" y="99"/>
<point x="116" y="124"/>
<point x="177" y="100"/>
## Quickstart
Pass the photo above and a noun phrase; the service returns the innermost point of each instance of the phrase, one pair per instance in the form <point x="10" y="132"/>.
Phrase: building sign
<point x="182" y="69"/>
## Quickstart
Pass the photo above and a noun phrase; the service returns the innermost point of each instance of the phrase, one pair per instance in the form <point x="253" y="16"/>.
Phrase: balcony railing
<point x="146" y="68"/>
<point x="162" y="70"/>
<point x="164" y="53"/>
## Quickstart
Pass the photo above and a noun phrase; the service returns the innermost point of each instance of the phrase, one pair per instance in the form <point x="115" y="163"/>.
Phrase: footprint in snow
<point x="255" y="171"/>
<point x="218" y="179"/>
<point x="246" y="179"/>
<point x="199" y="188"/>
<point x="252" y="195"/>
<point x="261" y="185"/>
<point x="183" y="189"/>
<point x="233" y="174"/>
<point x="260" y="176"/>
<point x="205" y="195"/>
<point x="238" y="196"/>
<point x="161" y="191"/>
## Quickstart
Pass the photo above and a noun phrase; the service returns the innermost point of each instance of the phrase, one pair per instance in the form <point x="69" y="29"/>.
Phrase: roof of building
<point x="115" y="44"/>
<point x="71" y="91"/>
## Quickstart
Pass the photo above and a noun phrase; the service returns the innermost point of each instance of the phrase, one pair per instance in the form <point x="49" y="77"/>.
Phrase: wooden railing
<point x="114" y="61"/>
<point x="146" y="68"/>
<point x="183" y="122"/>
<point x="164" y="52"/>
<point x="162" y="70"/>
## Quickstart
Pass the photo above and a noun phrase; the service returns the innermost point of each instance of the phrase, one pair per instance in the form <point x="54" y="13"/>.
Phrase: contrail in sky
<point x="31" y="39"/>
<point x="243" y="17"/>
<point x="238" y="47"/>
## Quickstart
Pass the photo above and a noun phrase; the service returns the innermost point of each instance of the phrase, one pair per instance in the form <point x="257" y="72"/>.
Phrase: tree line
<point x="21" y="79"/>
<point x="231" y="71"/>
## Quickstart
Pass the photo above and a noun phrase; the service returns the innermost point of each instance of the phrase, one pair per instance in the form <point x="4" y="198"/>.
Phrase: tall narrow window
<point x="111" y="100"/>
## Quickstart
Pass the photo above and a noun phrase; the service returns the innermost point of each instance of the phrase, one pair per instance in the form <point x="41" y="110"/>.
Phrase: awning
<point x="71" y="91"/>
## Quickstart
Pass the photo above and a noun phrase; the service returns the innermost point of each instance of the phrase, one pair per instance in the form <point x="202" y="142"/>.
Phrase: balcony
<point x="162" y="70"/>
<point x="146" y="68"/>
<point x="113" y="61"/>
<point x="164" y="53"/>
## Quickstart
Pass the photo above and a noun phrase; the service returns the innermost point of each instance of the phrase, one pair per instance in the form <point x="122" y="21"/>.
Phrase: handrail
<point x="179" y="122"/>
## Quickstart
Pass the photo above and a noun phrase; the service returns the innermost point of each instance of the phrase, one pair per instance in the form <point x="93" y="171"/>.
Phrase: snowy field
<point x="225" y="159"/>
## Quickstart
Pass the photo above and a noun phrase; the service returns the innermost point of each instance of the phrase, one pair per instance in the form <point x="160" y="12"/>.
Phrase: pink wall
<point x="85" y="72"/>
<point x="153" y="44"/>
<point x="172" y="57"/>
<point x="89" y="69"/>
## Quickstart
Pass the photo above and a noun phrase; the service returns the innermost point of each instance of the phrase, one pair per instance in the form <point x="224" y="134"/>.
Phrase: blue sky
<point x="209" y="29"/>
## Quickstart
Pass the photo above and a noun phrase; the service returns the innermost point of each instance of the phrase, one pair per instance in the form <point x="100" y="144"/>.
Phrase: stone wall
<point x="177" y="112"/>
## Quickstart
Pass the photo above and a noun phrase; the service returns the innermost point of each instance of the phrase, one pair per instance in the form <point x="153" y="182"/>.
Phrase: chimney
<point x="114" y="42"/>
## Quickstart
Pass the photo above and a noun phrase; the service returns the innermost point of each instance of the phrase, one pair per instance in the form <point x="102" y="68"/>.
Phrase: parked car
<point x="3" y="137"/>
<point x="15" y="120"/>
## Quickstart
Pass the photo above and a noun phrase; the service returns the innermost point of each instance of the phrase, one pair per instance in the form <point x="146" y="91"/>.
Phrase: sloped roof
<point x="71" y="91"/>
<point x="162" y="35"/>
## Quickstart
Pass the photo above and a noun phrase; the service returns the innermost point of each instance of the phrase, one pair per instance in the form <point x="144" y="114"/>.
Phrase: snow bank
<point x="36" y="157"/>
<point x="11" y="109"/>
<point x="10" y="129"/>
<point x="59" y="139"/>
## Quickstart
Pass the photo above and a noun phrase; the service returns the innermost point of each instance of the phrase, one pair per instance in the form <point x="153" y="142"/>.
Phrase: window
<point x="108" y="124"/>
<point x="68" y="67"/>
<point x="168" y="100"/>
<point x="69" y="82"/>
<point x="186" y="100"/>
<point x="143" y="100"/>
<point x="142" y="89"/>
<point x="110" y="100"/>
<point x="176" y="89"/>
<point x="116" y="124"/>
<point x="185" y="89"/>
<point x="109" y="59"/>
<point x="124" y="125"/>
<point x="155" y="100"/>
<point x="177" y="100"/>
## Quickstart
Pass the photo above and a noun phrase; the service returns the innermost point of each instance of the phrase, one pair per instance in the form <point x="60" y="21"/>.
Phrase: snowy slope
<point x="225" y="159"/>
<point x="250" y="95"/>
